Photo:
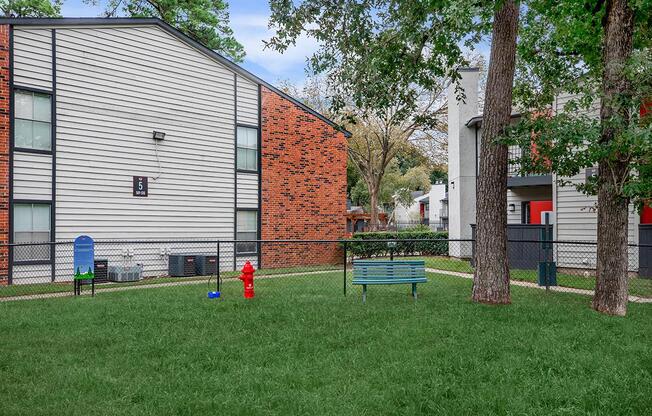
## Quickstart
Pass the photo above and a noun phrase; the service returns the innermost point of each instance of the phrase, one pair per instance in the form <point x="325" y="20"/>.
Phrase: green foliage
<point x="206" y="21"/>
<point x="560" y="52"/>
<point x="31" y="8"/>
<point x="360" y="194"/>
<point x="438" y="174"/>
<point x="409" y="157"/>
<point x="434" y="243"/>
<point x="352" y="177"/>
<point x="379" y="55"/>
<point x="420" y="228"/>
<point x="394" y="187"/>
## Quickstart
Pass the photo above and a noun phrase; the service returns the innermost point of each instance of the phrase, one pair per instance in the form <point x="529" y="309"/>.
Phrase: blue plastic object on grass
<point x="213" y="295"/>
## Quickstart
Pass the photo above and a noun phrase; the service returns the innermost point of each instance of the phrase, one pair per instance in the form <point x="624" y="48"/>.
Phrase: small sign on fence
<point x="83" y="261"/>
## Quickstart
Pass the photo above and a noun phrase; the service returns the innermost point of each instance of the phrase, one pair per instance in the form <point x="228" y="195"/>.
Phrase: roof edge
<point x="477" y="120"/>
<point x="131" y="21"/>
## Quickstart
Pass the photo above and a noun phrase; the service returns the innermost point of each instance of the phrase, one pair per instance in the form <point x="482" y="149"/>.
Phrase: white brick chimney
<point x="462" y="161"/>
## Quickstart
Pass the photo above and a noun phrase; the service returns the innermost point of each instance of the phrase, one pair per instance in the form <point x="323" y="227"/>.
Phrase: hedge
<point x="433" y="244"/>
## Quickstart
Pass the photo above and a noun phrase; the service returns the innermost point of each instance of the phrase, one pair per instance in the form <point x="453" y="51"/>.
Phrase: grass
<point x="58" y="287"/>
<point x="300" y="347"/>
<point x="637" y="286"/>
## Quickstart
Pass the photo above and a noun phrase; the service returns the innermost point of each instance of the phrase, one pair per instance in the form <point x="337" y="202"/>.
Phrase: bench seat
<point x="371" y="272"/>
<point x="380" y="281"/>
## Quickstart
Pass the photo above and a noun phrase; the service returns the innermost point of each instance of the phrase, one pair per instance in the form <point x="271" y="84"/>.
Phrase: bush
<point x="433" y="244"/>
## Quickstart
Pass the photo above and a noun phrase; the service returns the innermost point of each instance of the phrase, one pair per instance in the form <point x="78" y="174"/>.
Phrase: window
<point x="247" y="148"/>
<point x="31" y="225"/>
<point x="33" y="120"/>
<point x="246" y="229"/>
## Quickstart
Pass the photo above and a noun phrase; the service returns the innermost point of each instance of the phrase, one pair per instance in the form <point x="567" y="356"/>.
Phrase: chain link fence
<point x="296" y="268"/>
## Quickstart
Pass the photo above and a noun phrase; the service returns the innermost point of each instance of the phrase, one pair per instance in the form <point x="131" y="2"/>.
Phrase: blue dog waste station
<point x="213" y="295"/>
<point x="83" y="263"/>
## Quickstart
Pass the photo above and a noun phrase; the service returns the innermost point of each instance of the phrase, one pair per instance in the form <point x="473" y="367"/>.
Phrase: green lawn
<point x="637" y="287"/>
<point x="300" y="347"/>
<point x="58" y="287"/>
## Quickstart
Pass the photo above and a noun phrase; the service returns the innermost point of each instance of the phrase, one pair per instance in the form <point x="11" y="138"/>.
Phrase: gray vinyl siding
<point x="32" y="176"/>
<point x="576" y="215"/>
<point x="562" y="99"/>
<point x="247" y="190"/>
<point x="241" y="260"/>
<point x="33" y="273"/>
<point x="114" y="87"/>
<point x="519" y="195"/>
<point x="33" y="58"/>
<point x="577" y="220"/>
<point x="247" y="93"/>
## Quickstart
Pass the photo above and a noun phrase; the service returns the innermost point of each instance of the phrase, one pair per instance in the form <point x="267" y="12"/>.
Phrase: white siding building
<point x="87" y="95"/>
<point x="573" y="213"/>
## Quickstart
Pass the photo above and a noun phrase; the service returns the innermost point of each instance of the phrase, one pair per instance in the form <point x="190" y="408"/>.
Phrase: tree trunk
<point x="611" y="283"/>
<point x="373" y="208"/>
<point x="491" y="278"/>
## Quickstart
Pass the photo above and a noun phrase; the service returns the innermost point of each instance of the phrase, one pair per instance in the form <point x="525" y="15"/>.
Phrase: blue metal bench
<point x="370" y="272"/>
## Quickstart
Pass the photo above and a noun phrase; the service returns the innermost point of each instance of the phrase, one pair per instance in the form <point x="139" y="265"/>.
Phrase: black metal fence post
<point x="547" y="251"/>
<point x="218" y="278"/>
<point x="345" y="268"/>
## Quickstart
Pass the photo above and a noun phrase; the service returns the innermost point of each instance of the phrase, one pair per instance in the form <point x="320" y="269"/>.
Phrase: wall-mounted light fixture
<point x="158" y="135"/>
<point x="512" y="208"/>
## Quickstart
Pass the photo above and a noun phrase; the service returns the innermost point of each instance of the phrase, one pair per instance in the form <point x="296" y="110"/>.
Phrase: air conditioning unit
<point x="182" y="265"/>
<point x="101" y="270"/>
<point x="205" y="265"/>
<point x="132" y="273"/>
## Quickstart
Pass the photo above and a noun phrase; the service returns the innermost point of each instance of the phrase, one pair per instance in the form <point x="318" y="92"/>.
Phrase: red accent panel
<point x="536" y="208"/>
<point x="646" y="215"/>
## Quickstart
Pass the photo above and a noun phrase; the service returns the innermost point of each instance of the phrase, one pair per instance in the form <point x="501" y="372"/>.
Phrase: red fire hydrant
<point x="247" y="278"/>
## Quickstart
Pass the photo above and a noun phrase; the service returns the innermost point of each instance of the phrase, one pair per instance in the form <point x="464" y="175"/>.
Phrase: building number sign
<point x="140" y="185"/>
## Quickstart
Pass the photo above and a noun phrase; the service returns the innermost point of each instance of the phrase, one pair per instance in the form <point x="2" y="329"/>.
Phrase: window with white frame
<point x="31" y="225"/>
<point x="246" y="229"/>
<point x="247" y="148"/>
<point x="32" y="120"/>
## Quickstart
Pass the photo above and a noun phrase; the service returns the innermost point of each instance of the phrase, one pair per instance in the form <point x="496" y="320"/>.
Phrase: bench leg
<point x="414" y="291"/>
<point x="364" y="293"/>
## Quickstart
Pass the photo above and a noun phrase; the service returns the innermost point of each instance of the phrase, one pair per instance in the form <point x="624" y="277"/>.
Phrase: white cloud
<point x="251" y="30"/>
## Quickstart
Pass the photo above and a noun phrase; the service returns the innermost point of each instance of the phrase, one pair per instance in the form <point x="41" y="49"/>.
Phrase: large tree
<point x="600" y="53"/>
<point x="375" y="52"/>
<point x="378" y="138"/>
<point x="491" y="277"/>
<point x="384" y="62"/>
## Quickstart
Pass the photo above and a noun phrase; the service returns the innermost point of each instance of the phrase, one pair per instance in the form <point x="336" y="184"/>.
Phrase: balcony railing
<point x="514" y="176"/>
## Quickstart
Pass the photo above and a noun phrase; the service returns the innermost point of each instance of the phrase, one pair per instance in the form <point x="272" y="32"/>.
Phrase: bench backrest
<point x="398" y="269"/>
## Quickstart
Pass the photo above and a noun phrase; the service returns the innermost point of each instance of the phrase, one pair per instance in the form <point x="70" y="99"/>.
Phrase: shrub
<point x="433" y="244"/>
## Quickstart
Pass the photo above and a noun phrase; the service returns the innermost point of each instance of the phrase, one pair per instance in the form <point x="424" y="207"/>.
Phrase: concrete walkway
<point x="561" y="289"/>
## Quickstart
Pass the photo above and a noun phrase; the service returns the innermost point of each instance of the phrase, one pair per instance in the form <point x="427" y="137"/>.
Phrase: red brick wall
<point x="303" y="180"/>
<point x="4" y="152"/>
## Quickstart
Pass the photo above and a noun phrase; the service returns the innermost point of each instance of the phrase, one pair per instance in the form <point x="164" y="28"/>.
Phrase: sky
<point x="249" y="23"/>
